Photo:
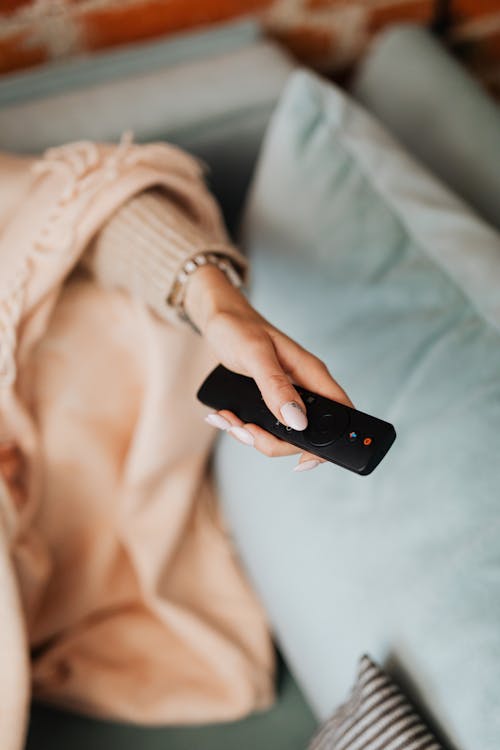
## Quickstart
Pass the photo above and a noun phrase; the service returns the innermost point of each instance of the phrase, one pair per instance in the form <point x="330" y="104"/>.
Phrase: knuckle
<point x="271" y="450"/>
<point x="264" y="449"/>
<point x="280" y="384"/>
<point x="256" y="340"/>
<point x="322" y="365"/>
<point x="267" y="451"/>
<point x="277" y="378"/>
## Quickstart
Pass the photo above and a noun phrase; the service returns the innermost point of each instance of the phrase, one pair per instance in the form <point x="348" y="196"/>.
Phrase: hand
<point x="246" y="343"/>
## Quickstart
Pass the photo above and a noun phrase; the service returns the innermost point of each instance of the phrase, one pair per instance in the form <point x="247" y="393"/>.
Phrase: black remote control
<point x="345" y="436"/>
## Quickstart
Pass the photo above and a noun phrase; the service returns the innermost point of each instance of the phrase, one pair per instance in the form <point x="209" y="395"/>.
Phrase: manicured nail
<point x="244" y="435"/>
<point x="294" y="416"/>
<point x="216" y="420"/>
<point x="306" y="465"/>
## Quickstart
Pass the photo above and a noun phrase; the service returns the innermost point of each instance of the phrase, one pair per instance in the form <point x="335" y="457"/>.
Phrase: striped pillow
<point x="377" y="716"/>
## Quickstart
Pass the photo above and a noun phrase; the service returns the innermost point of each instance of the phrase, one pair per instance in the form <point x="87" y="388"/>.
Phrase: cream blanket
<point x="120" y="592"/>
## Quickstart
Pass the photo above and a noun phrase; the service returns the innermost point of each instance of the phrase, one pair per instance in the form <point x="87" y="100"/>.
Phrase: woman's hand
<point x="247" y="343"/>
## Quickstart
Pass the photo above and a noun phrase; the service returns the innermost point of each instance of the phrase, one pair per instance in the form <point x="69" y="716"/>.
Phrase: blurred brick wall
<point x="35" y="31"/>
<point x="329" y="35"/>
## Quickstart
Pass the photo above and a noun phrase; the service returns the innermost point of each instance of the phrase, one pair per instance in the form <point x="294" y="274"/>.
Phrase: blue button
<point x="353" y="436"/>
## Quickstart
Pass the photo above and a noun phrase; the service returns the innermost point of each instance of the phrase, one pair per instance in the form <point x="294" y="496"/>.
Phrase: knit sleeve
<point x="144" y="244"/>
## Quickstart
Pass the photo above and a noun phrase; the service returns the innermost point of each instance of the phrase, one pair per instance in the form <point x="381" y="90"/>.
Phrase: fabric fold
<point x="113" y="527"/>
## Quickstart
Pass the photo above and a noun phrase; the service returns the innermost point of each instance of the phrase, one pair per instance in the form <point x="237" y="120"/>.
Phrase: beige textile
<point x="143" y="245"/>
<point x="115" y="567"/>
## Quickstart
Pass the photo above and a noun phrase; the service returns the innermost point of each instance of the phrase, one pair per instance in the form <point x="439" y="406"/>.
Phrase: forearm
<point x="144" y="245"/>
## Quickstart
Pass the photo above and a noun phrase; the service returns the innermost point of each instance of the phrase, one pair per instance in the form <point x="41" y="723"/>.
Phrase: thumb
<point x="278" y="393"/>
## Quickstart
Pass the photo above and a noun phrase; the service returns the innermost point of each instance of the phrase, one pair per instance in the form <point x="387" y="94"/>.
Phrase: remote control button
<point x="367" y="441"/>
<point x="353" y="436"/>
<point x="326" y="428"/>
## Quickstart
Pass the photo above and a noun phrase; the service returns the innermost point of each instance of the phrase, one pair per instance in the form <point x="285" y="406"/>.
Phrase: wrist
<point x="209" y="291"/>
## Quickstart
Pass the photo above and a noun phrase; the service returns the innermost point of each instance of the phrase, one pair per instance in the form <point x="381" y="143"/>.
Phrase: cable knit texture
<point x="118" y="575"/>
<point x="144" y="245"/>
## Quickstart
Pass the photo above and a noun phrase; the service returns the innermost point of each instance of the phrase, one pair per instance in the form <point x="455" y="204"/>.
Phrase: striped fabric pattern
<point x="376" y="716"/>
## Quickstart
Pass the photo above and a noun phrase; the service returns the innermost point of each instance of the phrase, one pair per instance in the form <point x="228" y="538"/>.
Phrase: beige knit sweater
<point x="143" y="246"/>
<point x="121" y="594"/>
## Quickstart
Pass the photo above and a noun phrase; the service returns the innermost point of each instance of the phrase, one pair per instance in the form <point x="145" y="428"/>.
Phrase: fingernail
<point x="244" y="435"/>
<point x="306" y="465"/>
<point x="294" y="416"/>
<point x="217" y="421"/>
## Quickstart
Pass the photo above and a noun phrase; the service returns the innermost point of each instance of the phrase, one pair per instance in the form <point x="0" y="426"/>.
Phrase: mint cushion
<point x="430" y="101"/>
<point x="365" y="259"/>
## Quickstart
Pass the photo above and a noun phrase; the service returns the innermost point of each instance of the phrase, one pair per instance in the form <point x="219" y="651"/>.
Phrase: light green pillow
<point x="366" y="260"/>
<point x="434" y="106"/>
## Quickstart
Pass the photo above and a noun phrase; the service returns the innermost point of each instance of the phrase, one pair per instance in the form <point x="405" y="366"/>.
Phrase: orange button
<point x="367" y="441"/>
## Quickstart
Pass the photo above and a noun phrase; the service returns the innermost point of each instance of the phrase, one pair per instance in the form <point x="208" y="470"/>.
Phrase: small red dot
<point x="367" y="441"/>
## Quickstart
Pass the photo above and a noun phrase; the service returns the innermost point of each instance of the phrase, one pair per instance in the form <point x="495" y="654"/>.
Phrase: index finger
<point x="279" y="394"/>
<point x="310" y="372"/>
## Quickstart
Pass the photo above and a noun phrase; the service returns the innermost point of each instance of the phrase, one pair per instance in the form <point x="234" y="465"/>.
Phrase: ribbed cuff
<point x="144" y="245"/>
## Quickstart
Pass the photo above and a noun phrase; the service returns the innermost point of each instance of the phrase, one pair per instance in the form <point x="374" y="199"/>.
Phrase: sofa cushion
<point x="376" y="715"/>
<point x="369" y="262"/>
<point x="434" y="106"/>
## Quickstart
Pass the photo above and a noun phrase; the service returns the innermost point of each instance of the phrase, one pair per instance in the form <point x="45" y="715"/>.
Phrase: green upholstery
<point x="412" y="84"/>
<point x="287" y="726"/>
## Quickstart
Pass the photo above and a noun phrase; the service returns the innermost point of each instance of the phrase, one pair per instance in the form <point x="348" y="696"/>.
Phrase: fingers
<point x="308" y="461"/>
<point x="307" y="370"/>
<point x="263" y="441"/>
<point x="279" y="394"/>
<point x="276" y="362"/>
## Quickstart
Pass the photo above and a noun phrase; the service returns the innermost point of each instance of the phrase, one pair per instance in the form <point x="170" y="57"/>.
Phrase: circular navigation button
<point x="325" y="428"/>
